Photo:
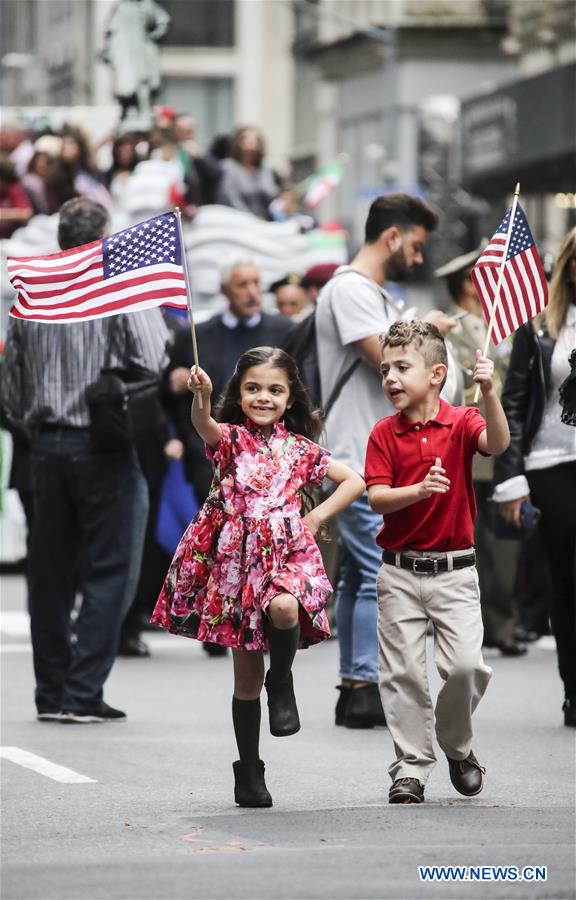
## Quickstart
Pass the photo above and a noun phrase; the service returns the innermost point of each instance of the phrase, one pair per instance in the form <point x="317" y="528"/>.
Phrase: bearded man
<point x="353" y="311"/>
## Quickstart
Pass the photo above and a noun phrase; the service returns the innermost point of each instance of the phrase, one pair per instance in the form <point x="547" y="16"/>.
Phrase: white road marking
<point x="15" y="648"/>
<point x="18" y="626"/>
<point x="44" y="766"/>
<point x="15" y="623"/>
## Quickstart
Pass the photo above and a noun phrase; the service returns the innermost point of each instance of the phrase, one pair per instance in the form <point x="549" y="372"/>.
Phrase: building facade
<point x="524" y="129"/>
<point x="388" y="77"/>
<point x="225" y="62"/>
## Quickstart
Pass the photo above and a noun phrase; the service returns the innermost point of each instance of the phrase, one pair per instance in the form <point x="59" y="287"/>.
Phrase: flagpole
<point x="496" y="300"/>
<point x="188" y="296"/>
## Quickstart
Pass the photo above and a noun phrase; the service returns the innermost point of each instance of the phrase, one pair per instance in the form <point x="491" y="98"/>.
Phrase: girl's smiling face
<point x="264" y="395"/>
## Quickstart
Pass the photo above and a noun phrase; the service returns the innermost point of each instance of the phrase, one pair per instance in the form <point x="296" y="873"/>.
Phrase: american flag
<point x="133" y="269"/>
<point x="524" y="292"/>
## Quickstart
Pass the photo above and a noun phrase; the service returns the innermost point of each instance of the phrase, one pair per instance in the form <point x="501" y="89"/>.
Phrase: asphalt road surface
<point x="144" y="808"/>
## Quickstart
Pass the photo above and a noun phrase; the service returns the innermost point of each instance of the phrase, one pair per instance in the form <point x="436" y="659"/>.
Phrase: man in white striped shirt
<point x="84" y="499"/>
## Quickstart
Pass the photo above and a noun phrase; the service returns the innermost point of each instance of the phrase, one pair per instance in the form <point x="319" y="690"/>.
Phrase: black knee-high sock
<point x="283" y="645"/>
<point x="246" y="720"/>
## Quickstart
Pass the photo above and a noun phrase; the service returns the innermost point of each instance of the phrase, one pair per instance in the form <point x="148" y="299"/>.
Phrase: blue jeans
<point x="81" y="538"/>
<point x="356" y="605"/>
<point x="140" y="513"/>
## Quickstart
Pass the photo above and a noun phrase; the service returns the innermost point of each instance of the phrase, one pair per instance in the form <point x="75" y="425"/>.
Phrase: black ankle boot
<point x="342" y="703"/>
<point x="282" y="709"/>
<point x="364" y="709"/>
<point x="249" y="785"/>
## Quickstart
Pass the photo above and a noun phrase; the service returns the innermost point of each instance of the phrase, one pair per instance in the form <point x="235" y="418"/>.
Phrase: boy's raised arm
<point x="496" y="437"/>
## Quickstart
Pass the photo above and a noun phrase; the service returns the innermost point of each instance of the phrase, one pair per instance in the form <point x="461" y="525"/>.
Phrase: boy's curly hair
<point x="423" y="336"/>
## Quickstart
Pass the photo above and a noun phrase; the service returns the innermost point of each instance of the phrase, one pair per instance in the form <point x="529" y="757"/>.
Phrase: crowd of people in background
<point x="43" y="169"/>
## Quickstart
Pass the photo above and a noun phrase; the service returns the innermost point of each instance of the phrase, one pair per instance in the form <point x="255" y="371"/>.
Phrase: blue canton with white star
<point x="521" y="238"/>
<point x="150" y="243"/>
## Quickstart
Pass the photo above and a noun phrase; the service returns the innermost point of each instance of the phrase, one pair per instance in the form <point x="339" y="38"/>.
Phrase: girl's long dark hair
<point x="301" y="418"/>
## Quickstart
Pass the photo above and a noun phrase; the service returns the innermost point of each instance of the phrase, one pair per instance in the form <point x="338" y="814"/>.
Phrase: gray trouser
<point x="406" y="602"/>
<point x="497" y="562"/>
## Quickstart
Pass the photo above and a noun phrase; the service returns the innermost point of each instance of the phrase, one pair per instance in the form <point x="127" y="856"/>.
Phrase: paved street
<point x="154" y="816"/>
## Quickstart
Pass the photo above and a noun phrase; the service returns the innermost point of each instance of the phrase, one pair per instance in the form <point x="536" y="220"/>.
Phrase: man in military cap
<point x="497" y="559"/>
<point x="316" y="277"/>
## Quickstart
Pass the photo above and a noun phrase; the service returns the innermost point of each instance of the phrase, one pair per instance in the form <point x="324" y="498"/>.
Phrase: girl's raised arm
<point x="208" y="428"/>
<point x="350" y="487"/>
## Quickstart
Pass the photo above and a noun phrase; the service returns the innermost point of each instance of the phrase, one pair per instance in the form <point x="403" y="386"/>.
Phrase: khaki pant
<point x="406" y="602"/>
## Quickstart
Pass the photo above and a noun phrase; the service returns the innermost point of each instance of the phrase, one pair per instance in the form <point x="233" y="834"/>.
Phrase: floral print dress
<point x="248" y="543"/>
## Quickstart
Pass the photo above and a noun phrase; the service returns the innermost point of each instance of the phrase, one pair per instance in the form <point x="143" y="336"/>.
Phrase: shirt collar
<point x="278" y="431"/>
<point x="232" y="321"/>
<point x="446" y="416"/>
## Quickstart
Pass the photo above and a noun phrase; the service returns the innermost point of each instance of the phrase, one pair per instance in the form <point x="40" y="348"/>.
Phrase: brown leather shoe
<point x="467" y="775"/>
<point x="406" y="790"/>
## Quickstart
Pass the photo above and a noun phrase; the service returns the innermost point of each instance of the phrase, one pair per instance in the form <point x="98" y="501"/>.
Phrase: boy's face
<point x="406" y="379"/>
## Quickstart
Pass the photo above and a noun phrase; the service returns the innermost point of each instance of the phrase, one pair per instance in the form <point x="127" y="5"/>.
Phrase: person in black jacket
<point x="541" y="461"/>
<point x="221" y="341"/>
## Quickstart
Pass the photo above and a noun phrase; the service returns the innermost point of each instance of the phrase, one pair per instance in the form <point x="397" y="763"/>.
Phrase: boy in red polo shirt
<point x="419" y="476"/>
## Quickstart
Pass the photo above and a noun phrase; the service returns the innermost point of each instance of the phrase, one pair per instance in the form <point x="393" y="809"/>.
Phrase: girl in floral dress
<point x="247" y="573"/>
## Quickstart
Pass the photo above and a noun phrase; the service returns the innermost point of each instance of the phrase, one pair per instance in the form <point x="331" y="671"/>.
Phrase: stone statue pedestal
<point x="135" y="121"/>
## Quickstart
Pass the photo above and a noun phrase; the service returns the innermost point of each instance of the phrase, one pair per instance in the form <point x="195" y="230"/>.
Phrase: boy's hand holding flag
<point x="523" y="290"/>
<point x="509" y="278"/>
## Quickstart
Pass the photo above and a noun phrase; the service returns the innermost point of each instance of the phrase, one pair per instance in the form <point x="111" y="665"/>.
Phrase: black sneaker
<point x="133" y="646"/>
<point x="569" y="709"/>
<point x="101" y="713"/>
<point x="49" y="716"/>
<point x="406" y="790"/>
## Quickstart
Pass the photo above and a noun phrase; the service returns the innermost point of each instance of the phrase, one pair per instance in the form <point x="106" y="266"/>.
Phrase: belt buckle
<point x="425" y="560"/>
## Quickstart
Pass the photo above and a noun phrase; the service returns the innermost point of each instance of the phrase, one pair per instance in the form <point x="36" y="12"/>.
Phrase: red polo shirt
<point x="401" y="452"/>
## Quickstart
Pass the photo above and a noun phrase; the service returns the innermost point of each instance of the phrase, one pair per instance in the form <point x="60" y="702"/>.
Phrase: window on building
<point x="210" y="101"/>
<point x="203" y="23"/>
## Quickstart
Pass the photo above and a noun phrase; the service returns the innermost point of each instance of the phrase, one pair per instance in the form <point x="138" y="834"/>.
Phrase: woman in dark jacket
<point x="541" y="461"/>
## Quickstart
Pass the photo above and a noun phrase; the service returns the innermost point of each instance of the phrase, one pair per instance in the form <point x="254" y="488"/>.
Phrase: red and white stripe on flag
<point x="134" y="269"/>
<point x="524" y="291"/>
